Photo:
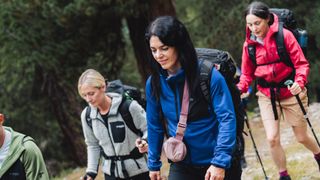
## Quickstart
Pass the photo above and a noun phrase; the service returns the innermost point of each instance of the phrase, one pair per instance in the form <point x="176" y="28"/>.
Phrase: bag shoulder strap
<point x="182" y="124"/>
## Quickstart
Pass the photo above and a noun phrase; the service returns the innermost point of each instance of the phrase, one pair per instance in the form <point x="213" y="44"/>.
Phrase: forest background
<point x="46" y="44"/>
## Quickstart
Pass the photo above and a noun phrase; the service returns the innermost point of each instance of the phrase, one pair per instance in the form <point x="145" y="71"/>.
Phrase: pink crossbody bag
<point x="174" y="148"/>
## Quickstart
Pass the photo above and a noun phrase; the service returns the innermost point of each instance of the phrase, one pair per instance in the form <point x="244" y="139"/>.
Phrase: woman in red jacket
<point x="275" y="99"/>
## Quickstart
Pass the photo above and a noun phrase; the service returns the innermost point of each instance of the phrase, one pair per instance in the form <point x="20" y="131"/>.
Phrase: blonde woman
<point x="107" y="134"/>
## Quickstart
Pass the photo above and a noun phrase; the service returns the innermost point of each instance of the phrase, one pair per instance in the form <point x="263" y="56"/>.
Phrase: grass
<point x="300" y="162"/>
<point x="75" y="174"/>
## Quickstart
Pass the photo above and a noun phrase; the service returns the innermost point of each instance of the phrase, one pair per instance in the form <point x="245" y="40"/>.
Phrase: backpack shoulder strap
<point x="252" y="53"/>
<point x="126" y="115"/>
<point x="205" y="74"/>
<point x="88" y="119"/>
<point x="282" y="51"/>
<point x="27" y="138"/>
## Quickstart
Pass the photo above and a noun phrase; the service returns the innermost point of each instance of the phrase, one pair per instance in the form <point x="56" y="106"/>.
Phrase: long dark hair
<point x="172" y="32"/>
<point x="260" y="10"/>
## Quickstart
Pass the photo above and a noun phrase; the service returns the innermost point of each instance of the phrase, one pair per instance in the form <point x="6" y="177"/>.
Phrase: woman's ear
<point x="269" y="18"/>
<point x="1" y="119"/>
<point x="104" y="88"/>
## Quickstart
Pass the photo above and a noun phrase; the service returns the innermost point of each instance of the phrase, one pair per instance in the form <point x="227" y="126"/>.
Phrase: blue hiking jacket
<point x="205" y="145"/>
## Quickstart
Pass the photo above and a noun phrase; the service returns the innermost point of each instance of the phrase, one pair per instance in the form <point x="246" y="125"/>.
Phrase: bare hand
<point x="142" y="145"/>
<point x="1" y="117"/>
<point x="154" y="175"/>
<point x="244" y="95"/>
<point x="295" y="88"/>
<point x="214" y="173"/>
<point x="86" y="178"/>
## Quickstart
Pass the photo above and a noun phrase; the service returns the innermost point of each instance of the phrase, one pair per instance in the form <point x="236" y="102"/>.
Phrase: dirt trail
<point x="300" y="162"/>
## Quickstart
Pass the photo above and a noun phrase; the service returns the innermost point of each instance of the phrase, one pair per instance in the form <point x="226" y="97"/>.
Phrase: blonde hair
<point x="91" y="77"/>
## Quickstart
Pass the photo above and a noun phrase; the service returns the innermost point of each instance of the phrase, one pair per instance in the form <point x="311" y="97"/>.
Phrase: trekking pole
<point x="288" y="83"/>
<point x="254" y="145"/>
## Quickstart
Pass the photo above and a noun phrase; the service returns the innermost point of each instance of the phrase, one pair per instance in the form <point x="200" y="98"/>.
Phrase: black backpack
<point x="286" y="20"/>
<point x="129" y="94"/>
<point x="225" y="64"/>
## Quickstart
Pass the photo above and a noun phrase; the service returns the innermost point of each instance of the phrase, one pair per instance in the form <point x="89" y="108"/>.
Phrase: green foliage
<point x="129" y="72"/>
<point x="44" y="44"/>
<point x="216" y="24"/>
<point x="221" y="24"/>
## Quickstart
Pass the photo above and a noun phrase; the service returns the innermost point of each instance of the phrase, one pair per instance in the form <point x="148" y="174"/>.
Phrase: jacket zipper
<point x="114" y="149"/>
<point x="273" y="71"/>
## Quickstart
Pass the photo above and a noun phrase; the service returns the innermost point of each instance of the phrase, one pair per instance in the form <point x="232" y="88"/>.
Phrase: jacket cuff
<point x="301" y="84"/>
<point x="222" y="161"/>
<point x="219" y="166"/>
<point x="240" y="89"/>
<point x="91" y="174"/>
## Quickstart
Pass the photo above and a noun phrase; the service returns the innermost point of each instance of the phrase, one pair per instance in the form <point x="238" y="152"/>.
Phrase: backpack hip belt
<point x="275" y="91"/>
<point x="134" y="154"/>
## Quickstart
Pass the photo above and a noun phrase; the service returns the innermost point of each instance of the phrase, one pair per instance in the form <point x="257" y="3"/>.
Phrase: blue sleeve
<point x="223" y="107"/>
<point x="155" y="129"/>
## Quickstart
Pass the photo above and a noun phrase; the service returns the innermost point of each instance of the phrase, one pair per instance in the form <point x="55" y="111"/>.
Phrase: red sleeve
<point x="247" y="70"/>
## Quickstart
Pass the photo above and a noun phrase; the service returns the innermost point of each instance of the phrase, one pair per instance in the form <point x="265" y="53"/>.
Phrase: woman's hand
<point x="214" y="173"/>
<point x="295" y="88"/>
<point x="154" y="175"/>
<point x="142" y="145"/>
<point x="86" y="177"/>
<point x="244" y="95"/>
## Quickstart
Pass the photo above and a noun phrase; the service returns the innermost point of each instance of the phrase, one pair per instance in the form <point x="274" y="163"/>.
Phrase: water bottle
<point x="303" y="38"/>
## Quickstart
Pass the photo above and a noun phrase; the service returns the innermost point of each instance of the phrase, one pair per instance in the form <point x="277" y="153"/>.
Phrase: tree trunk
<point x="67" y="110"/>
<point x="312" y="46"/>
<point x="138" y="25"/>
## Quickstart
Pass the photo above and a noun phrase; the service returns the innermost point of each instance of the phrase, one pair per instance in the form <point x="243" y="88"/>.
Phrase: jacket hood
<point x="15" y="150"/>
<point x="272" y="30"/>
<point x="116" y="101"/>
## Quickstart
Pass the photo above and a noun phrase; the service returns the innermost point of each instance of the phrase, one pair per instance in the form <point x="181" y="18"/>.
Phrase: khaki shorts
<point x="292" y="112"/>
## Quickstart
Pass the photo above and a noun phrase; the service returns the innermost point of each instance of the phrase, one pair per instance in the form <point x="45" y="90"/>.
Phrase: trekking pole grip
<point x="289" y="83"/>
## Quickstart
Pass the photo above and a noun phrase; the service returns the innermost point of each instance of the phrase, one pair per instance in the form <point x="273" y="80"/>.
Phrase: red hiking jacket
<point x="274" y="72"/>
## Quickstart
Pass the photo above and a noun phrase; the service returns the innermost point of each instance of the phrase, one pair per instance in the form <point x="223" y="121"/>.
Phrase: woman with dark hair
<point x="211" y="128"/>
<point x="271" y="72"/>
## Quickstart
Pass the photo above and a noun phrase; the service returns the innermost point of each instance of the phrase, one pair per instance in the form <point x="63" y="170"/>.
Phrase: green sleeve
<point x="32" y="159"/>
